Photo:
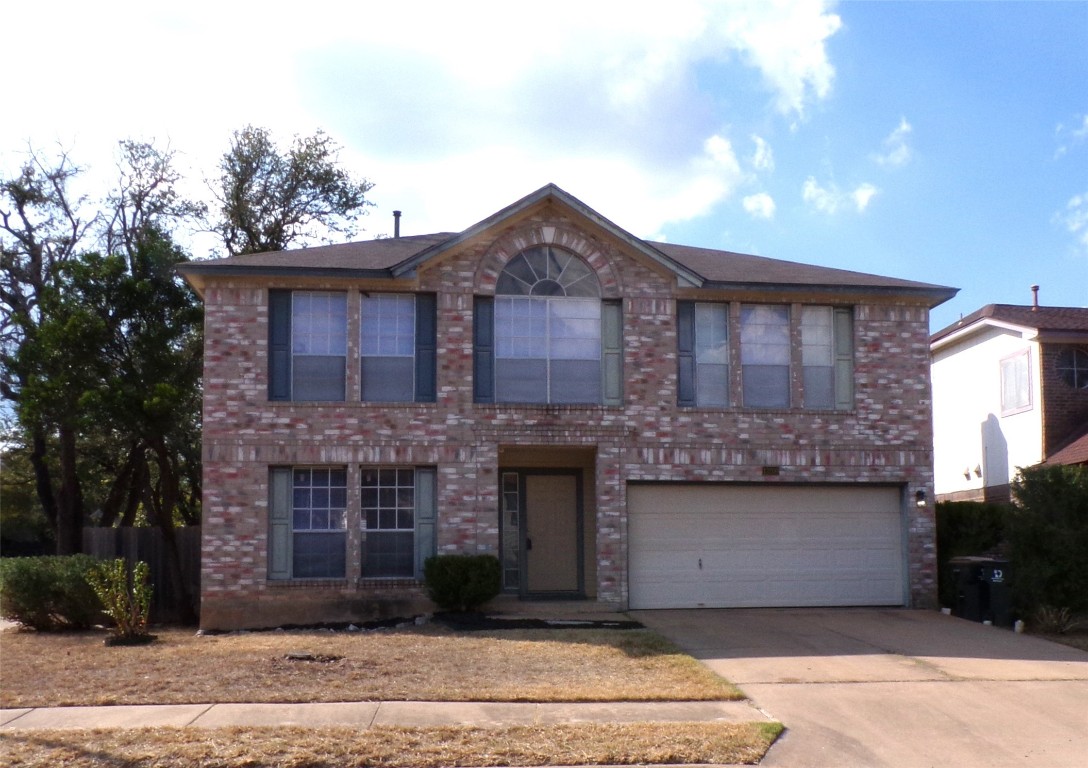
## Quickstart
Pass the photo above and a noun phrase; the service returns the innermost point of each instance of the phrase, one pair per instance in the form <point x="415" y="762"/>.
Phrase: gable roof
<point x="699" y="267"/>
<point x="1044" y="321"/>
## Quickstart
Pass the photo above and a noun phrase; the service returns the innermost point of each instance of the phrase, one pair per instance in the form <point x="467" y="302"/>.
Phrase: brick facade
<point x="886" y="438"/>
<point x="1065" y="408"/>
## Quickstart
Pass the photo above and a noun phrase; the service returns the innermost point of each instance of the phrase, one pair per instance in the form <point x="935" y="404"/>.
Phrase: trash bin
<point x="982" y="589"/>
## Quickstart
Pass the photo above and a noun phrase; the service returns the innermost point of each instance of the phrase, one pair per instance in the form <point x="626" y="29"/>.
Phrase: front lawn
<point x="429" y="663"/>
<point x="578" y="744"/>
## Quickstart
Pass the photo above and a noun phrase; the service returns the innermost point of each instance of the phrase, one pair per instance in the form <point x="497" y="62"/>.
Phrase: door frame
<point x="523" y="534"/>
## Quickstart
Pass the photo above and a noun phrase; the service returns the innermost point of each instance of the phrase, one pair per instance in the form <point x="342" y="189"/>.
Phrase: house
<point x="1010" y="389"/>
<point x="640" y="424"/>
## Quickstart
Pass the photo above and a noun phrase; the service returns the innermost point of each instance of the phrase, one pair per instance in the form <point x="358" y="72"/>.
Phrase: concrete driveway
<point x="894" y="687"/>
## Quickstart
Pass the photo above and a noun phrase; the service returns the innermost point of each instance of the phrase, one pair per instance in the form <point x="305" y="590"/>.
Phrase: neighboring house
<point x="644" y="425"/>
<point x="1010" y="389"/>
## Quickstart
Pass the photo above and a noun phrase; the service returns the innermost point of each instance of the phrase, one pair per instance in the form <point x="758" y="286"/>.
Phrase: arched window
<point x="547" y="329"/>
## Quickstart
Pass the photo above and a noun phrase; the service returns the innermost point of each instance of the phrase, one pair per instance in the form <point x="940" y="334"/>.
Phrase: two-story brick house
<point x="1010" y="390"/>
<point x="639" y="424"/>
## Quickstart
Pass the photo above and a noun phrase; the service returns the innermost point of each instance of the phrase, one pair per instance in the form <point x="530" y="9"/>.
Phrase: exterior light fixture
<point x="920" y="498"/>
<point x="978" y="470"/>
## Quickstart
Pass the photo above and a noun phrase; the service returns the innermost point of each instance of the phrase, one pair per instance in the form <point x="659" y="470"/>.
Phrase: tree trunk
<point x="70" y="506"/>
<point x="164" y="518"/>
<point x="120" y="489"/>
<point x="42" y="479"/>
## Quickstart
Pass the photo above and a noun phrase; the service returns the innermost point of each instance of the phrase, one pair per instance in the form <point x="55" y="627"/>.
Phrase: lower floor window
<point x="388" y="500"/>
<point x="310" y="515"/>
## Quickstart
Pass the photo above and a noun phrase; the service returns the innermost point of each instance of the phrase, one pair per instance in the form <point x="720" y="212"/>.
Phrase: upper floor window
<point x="703" y="329"/>
<point x="307" y="335"/>
<point x="388" y="347"/>
<point x="307" y="345"/>
<point x="547" y="337"/>
<point x="765" y="355"/>
<point x="1073" y="367"/>
<point x="827" y="357"/>
<point x="1016" y="383"/>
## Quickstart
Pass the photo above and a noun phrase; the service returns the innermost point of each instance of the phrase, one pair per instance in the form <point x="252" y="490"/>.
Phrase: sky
<point x="940" y="142"/>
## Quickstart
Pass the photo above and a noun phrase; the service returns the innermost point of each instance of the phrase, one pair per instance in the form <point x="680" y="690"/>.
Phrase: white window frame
<point x="1020" y="363"/>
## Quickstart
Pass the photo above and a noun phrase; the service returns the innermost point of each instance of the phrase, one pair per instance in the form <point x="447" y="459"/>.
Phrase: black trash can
<point x="982" y="589"/>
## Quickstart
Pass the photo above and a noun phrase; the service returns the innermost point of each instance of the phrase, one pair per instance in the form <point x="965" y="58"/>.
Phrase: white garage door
<point x="722" y="546"/>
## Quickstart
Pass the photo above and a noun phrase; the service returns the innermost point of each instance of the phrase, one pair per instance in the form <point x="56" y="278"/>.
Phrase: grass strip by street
<point x="388" y="747"/>
<point x="428" y="663"/>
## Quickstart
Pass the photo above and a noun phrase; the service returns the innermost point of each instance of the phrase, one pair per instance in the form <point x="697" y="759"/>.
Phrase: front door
<point x="547" y="546"/>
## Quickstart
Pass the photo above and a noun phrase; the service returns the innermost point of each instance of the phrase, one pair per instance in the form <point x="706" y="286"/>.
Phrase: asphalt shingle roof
<point x="1040" y="318"/>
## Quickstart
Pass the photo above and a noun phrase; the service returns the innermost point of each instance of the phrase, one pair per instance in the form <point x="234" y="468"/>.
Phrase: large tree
<point x="42" y="227"/>
<point x="270" y="199"/>
<point x="101" y="354"/>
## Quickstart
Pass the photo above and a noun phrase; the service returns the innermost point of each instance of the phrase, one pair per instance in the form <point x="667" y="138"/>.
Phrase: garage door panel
<point x="746" y="546"/>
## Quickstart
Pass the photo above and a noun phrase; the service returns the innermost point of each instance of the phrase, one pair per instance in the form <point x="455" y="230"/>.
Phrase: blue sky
<point x="942" y="142"/>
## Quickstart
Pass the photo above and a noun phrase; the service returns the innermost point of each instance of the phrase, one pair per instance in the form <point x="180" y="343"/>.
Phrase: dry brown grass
<point x="644" y="743"/>
<point x="421" y="664"/>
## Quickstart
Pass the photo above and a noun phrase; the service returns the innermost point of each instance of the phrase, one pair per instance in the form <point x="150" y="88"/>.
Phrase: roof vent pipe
<point x="396" y="223"/>
<point x="1034" y="297"/>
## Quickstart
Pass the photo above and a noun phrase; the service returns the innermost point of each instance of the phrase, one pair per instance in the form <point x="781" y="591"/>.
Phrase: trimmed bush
<point x="462" y="582"/>
<point x="49" y="593"/>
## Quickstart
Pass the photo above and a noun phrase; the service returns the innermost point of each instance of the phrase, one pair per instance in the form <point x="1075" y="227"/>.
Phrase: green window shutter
<point x="279" y="523"/>
<point x="612" y="352"/>
<point x="483" y="350"/>
<point x="279" y="345"/>
<point x="426" y="516"/>
<point x="685" y="352"/>
<point x="426" y="347"/>
<point x="844" y="359"/>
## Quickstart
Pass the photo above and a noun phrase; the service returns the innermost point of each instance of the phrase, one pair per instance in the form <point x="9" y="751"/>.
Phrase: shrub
<point x="48" y="593"/>
<point x="966" y="528"/>
<point x="126" y="596"/>
<point x="1053" y="621"/>
<point x="462" y="582"/>
<point x="1048" y="537"/>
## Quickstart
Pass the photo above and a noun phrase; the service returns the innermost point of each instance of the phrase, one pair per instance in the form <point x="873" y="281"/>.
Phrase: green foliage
<point x="126" y="596"/>
<point x="271" y="199"/>
<point x="1048" y="537"/>
<point x="966" y="528"/>
<point x="48" y="593"/>
<point x="462" y="582"/>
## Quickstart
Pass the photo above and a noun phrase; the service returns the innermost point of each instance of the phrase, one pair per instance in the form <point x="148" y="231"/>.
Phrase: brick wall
<point x="886" y="439"/>
<point x="1065" y="409"/>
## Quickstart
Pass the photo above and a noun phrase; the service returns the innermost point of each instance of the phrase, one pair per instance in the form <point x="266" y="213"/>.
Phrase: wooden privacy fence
<point x="148" y="544"/>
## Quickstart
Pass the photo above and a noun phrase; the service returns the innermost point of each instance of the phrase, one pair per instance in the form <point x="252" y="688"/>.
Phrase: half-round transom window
<point x="547" y="271"/>
<point x="1073" y="367"/>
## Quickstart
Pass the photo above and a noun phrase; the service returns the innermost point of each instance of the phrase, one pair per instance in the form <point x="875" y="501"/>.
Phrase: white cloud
<point x="831" y="200"/>
<point x="1075" y="219"/>
<point x="863" y="195"/>
<point x="1070" y="137"/>
<point x="786" y="42"/>
<point x="759" y="205"/>
<point x="611" y="107"/>
<point x="896" y="152"/>
<point x="763" y="156"/>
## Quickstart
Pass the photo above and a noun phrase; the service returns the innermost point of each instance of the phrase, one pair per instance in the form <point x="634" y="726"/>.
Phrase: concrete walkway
<point x="371" y="714"/>
<point x="895" y="688"/>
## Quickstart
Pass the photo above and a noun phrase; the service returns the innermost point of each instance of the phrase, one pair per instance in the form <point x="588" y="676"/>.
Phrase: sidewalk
<point x="373" y="714"/>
